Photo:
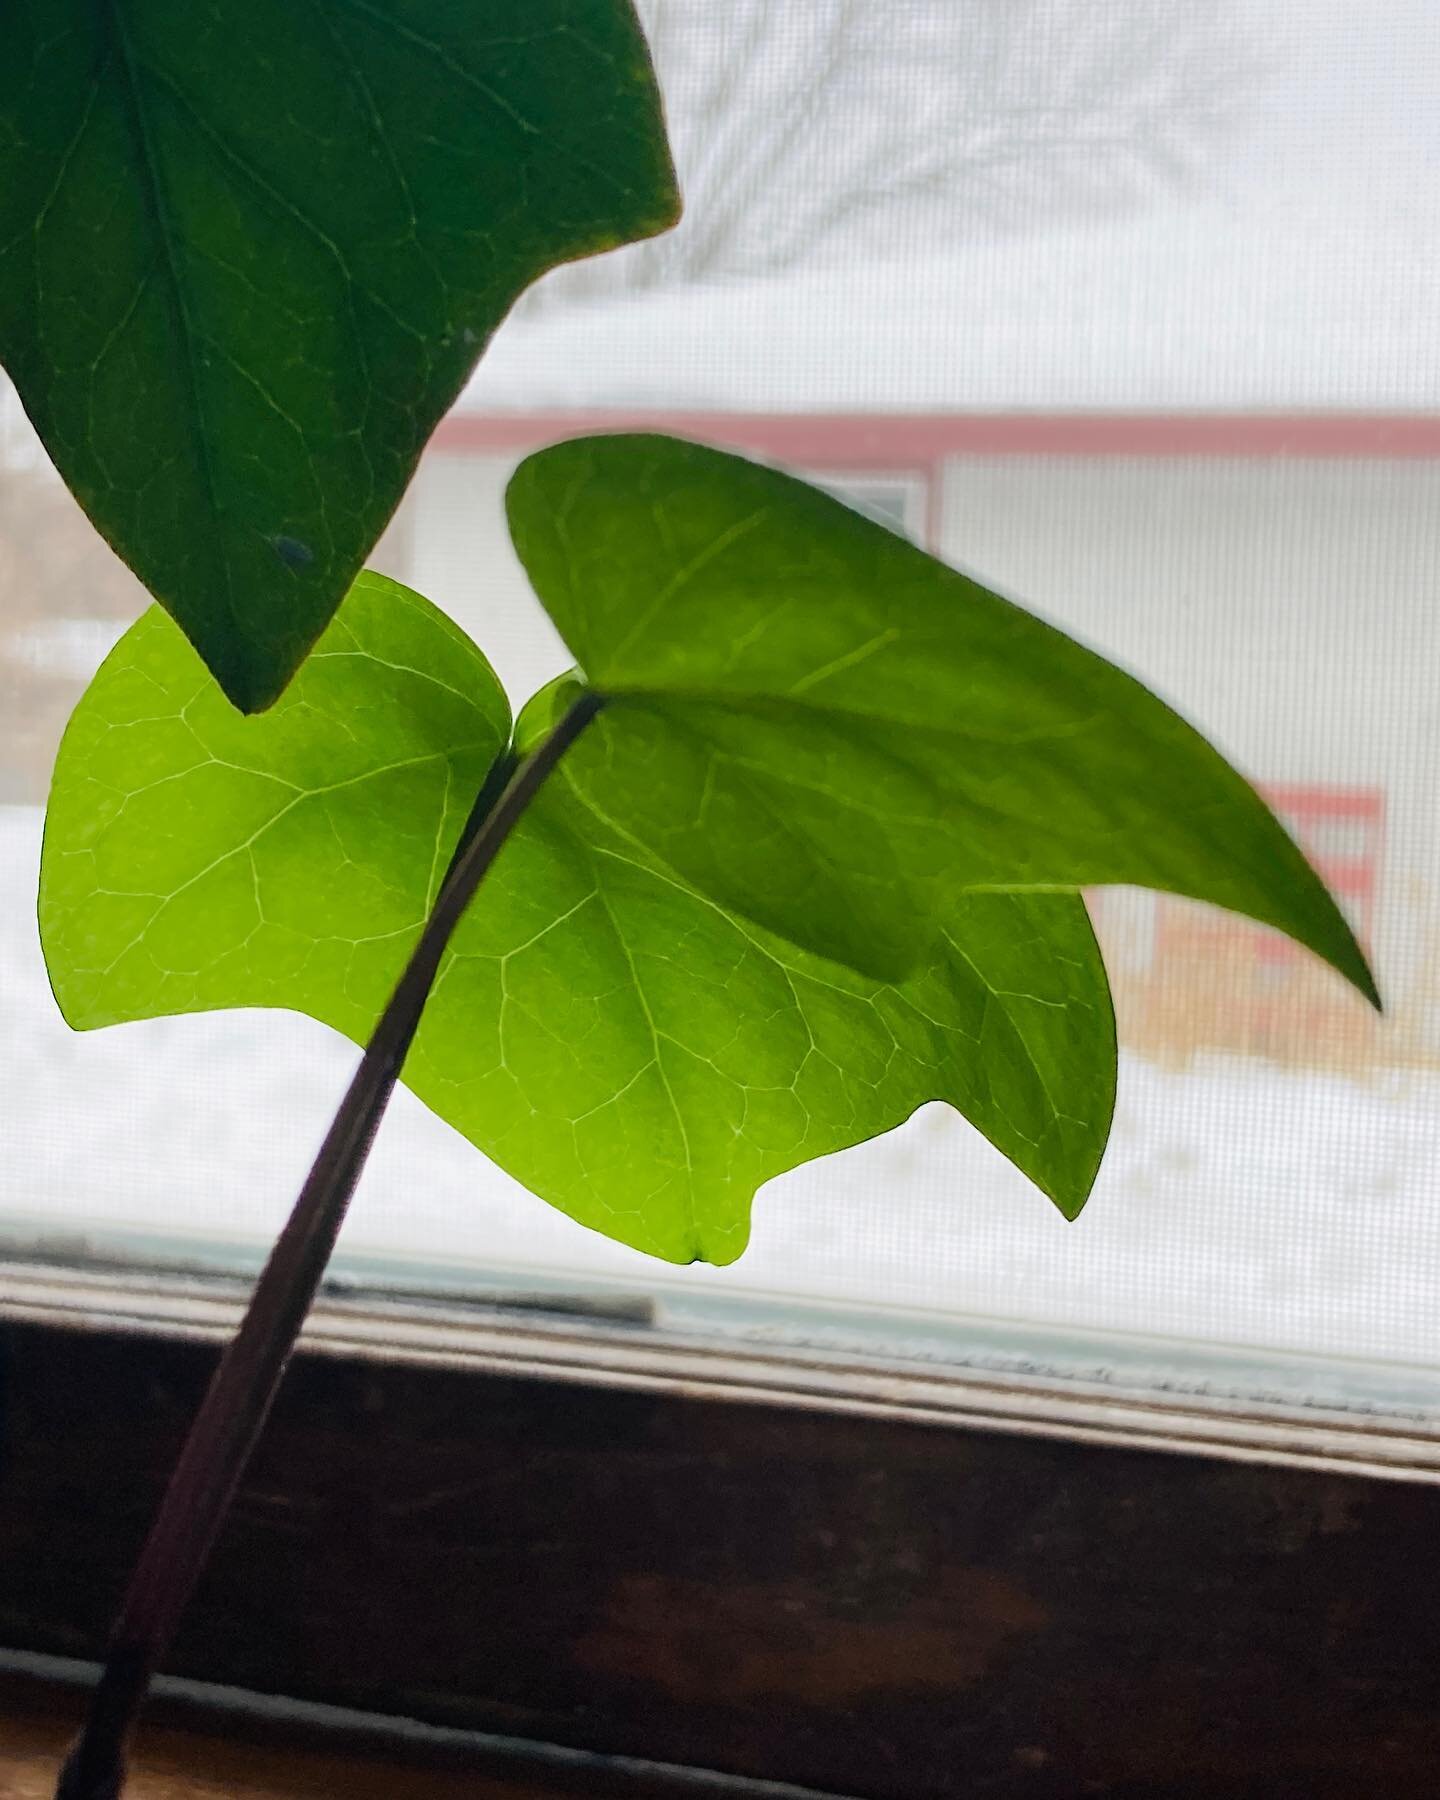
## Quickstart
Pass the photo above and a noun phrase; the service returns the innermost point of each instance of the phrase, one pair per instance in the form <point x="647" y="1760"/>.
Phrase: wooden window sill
<point x="850" y="1603"/>
<point x="199" y="1743"/>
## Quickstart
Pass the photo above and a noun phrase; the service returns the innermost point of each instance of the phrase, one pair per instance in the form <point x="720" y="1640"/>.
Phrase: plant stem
<point x="238" y="1401"/>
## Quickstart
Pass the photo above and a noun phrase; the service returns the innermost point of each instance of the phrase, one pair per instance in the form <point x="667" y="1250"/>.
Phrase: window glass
<point x="1130" y="313"/>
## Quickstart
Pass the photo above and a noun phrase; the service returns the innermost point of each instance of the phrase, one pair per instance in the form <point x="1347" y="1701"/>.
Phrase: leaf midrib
<point x="779" y="702"/>
<point x="174" y="287"/>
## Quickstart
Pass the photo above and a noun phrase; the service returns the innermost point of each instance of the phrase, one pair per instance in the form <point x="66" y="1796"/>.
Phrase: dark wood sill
<point x="856" y="1606"/>
<point x="211" y="1744"/>
<point x="176" y="1763"/>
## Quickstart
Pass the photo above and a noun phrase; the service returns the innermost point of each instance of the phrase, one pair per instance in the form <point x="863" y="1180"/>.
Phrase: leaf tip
<point x="250" y="690"/>
<point x="1366" y="985"/>
<point x="1345" y="955"/>
<point x="718" y="1245"/>
<point x="1070" y="1192"/>
<point x="251" y="676"/>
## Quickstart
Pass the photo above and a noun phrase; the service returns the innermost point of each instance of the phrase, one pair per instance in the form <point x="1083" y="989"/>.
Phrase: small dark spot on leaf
<point x="292" y="552"/>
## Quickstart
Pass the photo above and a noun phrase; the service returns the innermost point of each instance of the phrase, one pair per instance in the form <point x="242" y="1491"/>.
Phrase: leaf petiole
<point x="240" y="1395"/>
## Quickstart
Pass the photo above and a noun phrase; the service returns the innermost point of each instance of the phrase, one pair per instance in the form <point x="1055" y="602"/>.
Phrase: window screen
<point x="1130" y="312"/>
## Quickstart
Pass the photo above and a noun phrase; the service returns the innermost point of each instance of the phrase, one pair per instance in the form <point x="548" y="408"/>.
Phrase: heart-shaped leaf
<point x="836" y="735"/>
<point x="250" y="253"/>
<point x="624" y="1046"/>
<point x="195" y="859"/>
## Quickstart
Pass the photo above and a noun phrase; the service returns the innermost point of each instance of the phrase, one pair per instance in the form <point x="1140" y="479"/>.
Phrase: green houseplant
<point x="797" y="847"/>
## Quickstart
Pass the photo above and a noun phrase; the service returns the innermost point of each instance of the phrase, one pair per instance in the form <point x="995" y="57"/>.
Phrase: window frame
<point x="732" y="1587"/>
<point x="1023" y="1379"/>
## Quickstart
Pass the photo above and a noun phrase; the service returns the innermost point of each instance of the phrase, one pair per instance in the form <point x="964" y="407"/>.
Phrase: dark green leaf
<point x="616" y="1041"/>
<point x="836" y="735"/>
<point x="249" y="254"/>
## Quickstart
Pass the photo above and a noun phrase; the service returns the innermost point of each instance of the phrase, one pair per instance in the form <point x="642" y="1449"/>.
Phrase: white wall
<point x="459" y="555"/>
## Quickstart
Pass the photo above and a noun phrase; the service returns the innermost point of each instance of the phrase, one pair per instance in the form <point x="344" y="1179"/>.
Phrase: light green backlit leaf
<point x="196" y="859"/>
<point x="633" y="1053"/>
<point x="834" y="734"/>
<point x="250" y="252"/>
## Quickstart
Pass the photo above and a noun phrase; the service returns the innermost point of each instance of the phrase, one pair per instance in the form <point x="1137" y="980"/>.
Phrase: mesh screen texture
<point x="1131" y="314"/>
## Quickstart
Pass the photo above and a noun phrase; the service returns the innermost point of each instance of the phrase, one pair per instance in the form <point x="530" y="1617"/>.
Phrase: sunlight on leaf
<point x="196" y="859"/>
<point x="626" y="1048"/>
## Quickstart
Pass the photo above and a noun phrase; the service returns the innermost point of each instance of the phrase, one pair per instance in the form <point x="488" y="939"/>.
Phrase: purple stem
<point x="239" y="1398"/>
